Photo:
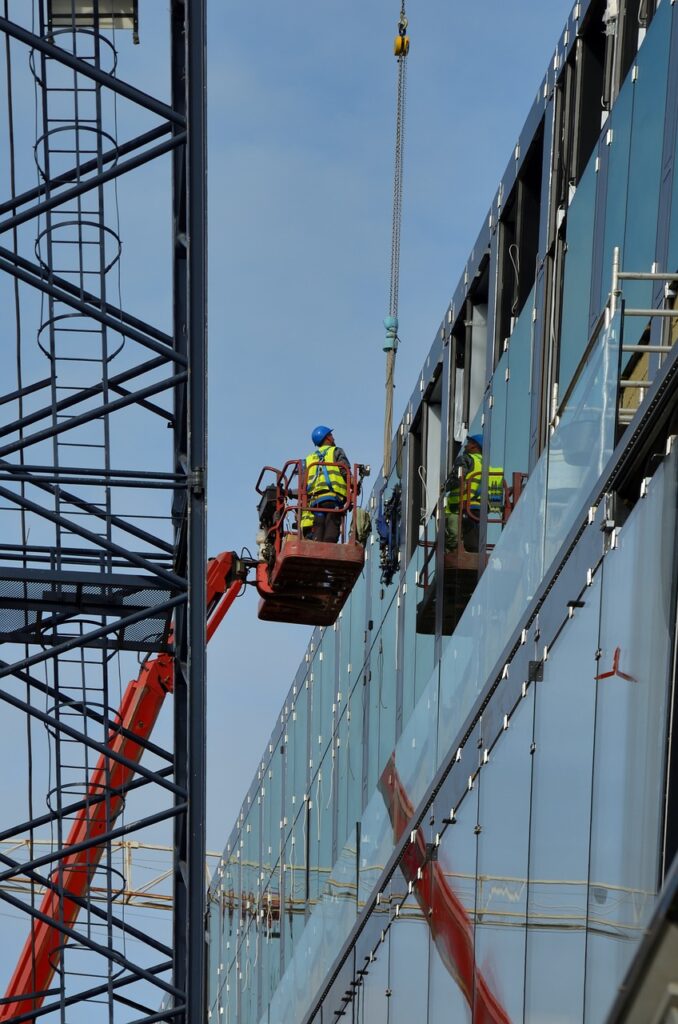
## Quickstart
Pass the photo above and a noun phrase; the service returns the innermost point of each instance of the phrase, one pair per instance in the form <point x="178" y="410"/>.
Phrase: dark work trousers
<point x="326" y="527"/>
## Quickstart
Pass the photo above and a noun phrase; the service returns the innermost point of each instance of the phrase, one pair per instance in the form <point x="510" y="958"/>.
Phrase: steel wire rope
<point x="396" y="224"/>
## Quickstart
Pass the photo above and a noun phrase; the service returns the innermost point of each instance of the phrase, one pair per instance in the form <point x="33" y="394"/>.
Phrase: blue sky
<point x="301" y="133"/>
<point x="301" y="122"/>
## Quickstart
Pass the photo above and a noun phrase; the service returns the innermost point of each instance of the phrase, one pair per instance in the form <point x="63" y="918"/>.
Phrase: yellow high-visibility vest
<point x="473" y="479"/>
<point x="324" y="478"/>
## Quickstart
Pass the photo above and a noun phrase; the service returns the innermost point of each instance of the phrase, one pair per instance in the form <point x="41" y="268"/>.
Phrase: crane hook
<point x="401" y="46"/>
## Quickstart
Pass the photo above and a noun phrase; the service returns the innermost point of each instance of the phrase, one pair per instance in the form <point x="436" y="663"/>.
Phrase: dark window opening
<point x="518" y="242"/>
<point x="472" y="355"/>
<point x="590" y="88"/>
<point x="425" y="460"/>
<point x="634" y="19"/>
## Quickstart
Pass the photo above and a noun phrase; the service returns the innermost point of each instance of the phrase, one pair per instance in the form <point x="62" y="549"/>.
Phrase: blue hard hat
<point x="320" y="433"/>
<point x="478" y="438"/>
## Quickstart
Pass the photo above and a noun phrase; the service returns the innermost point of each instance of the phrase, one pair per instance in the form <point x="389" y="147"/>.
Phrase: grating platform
<point x="310" y="581"/>
<point x="47" y="607"/>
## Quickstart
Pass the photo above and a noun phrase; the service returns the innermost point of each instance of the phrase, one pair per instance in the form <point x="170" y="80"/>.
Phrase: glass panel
<point x="298" y="734"/>
<point x="295" y="884"/>
<point x="499" y="391"/>
<point x="249" y="948"/>
<point x="354" y="753"/>
<point x="631" y="716"/>
<point x="373" y="1003"/>
<point x="409" y="947"/>
<point x="323" y="685"/>
<point x="356" y="617"/>
<point x="560" y="820"/>
<point x="383" y="684"/>
<point x="645" y="163"/>
<point x="376" y="844"/>
<point x="414" y="759"/>
<point x="321" y="824"/>
<point x="617" y="182"/>
<point x="452" y="917"/>
<point x="518" y="395"/>
<point x="421" y="599"/>
<point x="414" y="593"/>
<point x="574" y="330"/>
<point x="503" y="846"/>
<point x="583" y="440"/>
<point x="512" y="575"/>
<point x="673" y="228"/>
<point x="341" y="751"/>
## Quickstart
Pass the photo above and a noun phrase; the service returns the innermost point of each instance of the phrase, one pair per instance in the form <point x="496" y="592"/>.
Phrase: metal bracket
<point x="196" y="482"/>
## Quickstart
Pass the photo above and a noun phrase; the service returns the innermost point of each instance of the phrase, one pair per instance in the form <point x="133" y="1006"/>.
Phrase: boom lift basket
<point x="300" y="580"/>
<point x="461" y="564"/>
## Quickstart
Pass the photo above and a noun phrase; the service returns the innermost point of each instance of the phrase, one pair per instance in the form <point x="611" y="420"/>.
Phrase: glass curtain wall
<point x="378" y="703"/>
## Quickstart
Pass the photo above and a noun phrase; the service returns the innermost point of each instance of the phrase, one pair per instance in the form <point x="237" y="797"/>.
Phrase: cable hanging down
<point x="401" y="48"/>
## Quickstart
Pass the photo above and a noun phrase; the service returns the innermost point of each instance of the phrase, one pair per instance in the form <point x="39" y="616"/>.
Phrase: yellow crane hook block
<point x="401" y="45"/>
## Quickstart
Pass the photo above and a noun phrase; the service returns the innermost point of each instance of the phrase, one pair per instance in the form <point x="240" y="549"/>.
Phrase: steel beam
<point x="119" y="315"/>
<point x="76" y="734"/>
<point x="37" y="209"/>
<point x="82" y="902"/>
<point x="94" y="510"/>
<point x="75" y="173"/>
<point x="88" y="638"/>
<point x="64" y="812"/>
<point x="79" y="396"/>
<point x="59" y="520"/>
<point x="53" y="52"/>
<point x="94" y="414"/>
<point x="88" y="943"/>
<point x="11" y="266"/>
<point x="87" y="994"/>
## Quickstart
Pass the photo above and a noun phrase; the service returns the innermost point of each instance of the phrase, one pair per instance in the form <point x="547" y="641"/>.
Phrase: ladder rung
<point x="646" y="348"/>
<point x="672" y="313"/>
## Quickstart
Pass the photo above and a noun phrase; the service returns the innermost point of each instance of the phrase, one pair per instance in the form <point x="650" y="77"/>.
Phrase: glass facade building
<point x="467" y="806"/>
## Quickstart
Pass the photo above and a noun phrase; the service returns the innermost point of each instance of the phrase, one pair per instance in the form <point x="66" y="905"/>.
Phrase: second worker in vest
<point x="327" y="474"/>
<point x="470" y="462"/>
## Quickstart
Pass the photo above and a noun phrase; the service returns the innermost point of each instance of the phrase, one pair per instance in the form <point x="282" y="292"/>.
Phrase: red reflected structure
<point x="450" y="924"/>
<point x="300" y="580"/>
<point x="136" y="718"/>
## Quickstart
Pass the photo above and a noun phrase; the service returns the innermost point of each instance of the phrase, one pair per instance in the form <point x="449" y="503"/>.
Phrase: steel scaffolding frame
<point x="91" y="591"/>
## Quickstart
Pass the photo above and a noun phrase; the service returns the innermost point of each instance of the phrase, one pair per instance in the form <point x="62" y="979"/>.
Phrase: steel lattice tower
<point x="102" y="489"/>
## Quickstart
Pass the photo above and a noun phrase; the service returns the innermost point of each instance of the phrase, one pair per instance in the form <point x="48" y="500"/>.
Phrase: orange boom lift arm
<point x="136" y="718"/>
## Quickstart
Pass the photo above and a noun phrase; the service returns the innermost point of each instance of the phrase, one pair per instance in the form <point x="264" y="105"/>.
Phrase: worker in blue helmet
<point x="467" y="502"/>
<point x="469" y="462"/>
<point x="328" y="472"/>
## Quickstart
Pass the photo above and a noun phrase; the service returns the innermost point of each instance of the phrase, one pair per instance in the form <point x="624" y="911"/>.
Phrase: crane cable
<point x="401" y="48"/>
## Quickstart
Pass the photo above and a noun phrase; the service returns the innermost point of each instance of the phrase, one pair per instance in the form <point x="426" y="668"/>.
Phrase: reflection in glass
<point x="409" y="951"/>
<point x="518" y="395"/>
<point x="452" y="968"/>
<point x="498" y="424"/>
<point x="619" y="135"/>
<point x="503" y="843"/>
<point x="645" y="160"/>
<point x="574" y="331"/>
<point x="584" y="438"/>
<point x="560" y="820"/>
<point x="631" y="716"/>
<point x="372" y="1003"/>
